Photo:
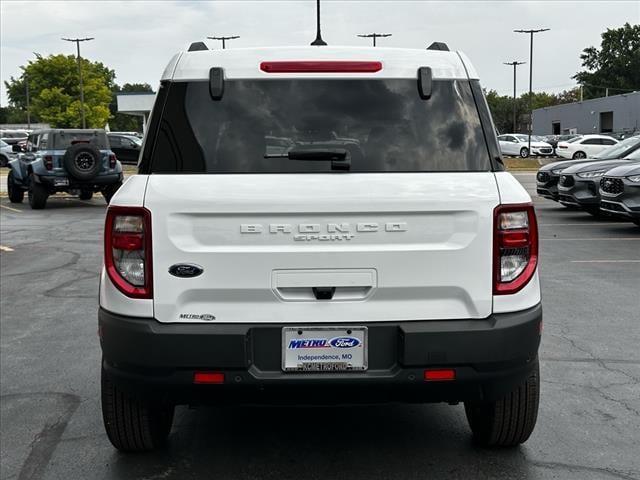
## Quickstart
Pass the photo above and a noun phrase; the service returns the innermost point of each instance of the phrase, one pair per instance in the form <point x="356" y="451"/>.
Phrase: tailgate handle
<point x="324" y="293"/>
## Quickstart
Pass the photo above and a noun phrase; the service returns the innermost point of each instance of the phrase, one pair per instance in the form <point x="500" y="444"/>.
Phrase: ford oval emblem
<point x="344" y="342"/>
<point x="185" y="270"/>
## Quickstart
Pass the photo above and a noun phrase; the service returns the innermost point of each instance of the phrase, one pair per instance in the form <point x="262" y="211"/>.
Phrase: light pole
<point x="77" y="42"/>
<point x="318" y="42"/>
<point x="26" y="83"/>
<point x="515" y="63"/>
<point x="531" y="32"/>
<point x="375" y="35"/>
<point x="224" y="39"/>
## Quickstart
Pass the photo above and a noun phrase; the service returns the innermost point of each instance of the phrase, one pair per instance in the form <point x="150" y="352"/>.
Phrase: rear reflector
<point x="321" y="67"/>
<point x="208" y="377"/>
<point x="441" y="375"/>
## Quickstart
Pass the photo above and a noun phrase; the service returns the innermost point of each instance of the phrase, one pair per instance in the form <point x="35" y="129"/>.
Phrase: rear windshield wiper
<point x="339" y="157"/>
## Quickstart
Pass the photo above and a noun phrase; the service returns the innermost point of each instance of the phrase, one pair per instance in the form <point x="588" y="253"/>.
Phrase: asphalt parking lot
<point x="588" y="426"/>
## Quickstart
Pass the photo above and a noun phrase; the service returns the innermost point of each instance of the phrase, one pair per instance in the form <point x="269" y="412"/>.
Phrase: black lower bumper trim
<point x="490" y="357"/>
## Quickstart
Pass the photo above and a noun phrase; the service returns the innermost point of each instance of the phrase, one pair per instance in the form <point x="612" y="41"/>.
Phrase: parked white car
<point x="518" y="145"/>
<point x="584" y="146"/>
<point x="6" y="153"/>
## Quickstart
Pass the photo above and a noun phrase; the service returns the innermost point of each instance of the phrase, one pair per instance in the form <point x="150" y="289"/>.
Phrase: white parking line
<point x="608" y="239"/>
<point x="605" y="261"/>
<point x="5" y="249"/>
<point x="12" y="209"/>
<point x="579" y="224"/>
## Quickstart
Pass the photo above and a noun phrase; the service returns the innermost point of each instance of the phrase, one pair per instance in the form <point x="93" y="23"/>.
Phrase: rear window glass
<point x="381" y="126"/>
<point x="63" y="140"/>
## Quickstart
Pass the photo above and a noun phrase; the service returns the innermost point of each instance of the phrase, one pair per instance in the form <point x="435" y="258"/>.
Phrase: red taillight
<point x="112" y="160"/>
<point x="127" y="250"/>
<point x="321" y="67"/>
<point x="48" y="162"/>
<point x="562" y="146"/>
<point x="208" y="377"/>
<point x="439" y="375"/>
<point x="515" y="247"/>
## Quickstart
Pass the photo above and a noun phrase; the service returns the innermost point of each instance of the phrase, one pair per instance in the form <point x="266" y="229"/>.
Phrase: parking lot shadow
<point x="421" y="441"/>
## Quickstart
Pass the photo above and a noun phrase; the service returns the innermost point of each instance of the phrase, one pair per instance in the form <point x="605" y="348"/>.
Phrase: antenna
<point x="224" y="39"/>
<point x="375" y="35"/>
<point x="318" y="42"/>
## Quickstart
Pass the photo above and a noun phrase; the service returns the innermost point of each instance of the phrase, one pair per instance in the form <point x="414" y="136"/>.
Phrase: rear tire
<point x="85" y="195"/>
<point x="579" y="155"/>
<point x="524" y="152"/>
<point x="133" y="425"/>
<point x="16" y="194"/>
<point x="509" y="421"/>
<point x="38" y="195"/>
<point x="4" y="161"/>
<point x="110" y="190"/>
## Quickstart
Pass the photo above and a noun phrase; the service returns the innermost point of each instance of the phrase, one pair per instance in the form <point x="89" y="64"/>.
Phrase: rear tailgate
<point x="403" y="246"/>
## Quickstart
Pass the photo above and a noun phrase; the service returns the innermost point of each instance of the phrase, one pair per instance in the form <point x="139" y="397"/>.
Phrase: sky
<point x="137" y="38"/>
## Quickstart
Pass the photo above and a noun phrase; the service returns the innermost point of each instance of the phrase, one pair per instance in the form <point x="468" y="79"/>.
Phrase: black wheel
<point x="133" y="425"/>
<point x="16" y="194"/>
<point x="110" y="190"/>
<point x="524" y="152"/>
<point x="38" y="195"/>
<point x="85" y="195"/>
<point x="509" y="421"/>
<point x="82" y="161"/>
<point x="579" y="155"/>
<point x="4" y="161"/>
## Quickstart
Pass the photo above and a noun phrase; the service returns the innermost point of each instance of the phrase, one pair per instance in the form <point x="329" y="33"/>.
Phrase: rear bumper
<point x="490" y="357"/>
<point x="95" y="183"/>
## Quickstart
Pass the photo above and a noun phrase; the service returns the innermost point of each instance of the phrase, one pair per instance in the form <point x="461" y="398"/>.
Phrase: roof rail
<point x="197" y="46"/>
<point x="438" y="46"/>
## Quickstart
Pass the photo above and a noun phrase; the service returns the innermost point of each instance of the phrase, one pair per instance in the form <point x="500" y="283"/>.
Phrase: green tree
<point x="615" y="65"/>
<point x="55" y="91"/>
<point x="121" y="122"/>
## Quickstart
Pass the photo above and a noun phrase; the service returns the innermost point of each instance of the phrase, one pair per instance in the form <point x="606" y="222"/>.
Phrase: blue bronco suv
<point x="75" y="161"/>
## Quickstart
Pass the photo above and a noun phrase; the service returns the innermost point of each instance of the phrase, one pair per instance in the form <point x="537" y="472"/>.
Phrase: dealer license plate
<point x="324" y="349"/>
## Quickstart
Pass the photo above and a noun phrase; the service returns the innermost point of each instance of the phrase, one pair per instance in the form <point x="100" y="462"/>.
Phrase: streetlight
<point x="224" y="39"/>
<point x="375" y="35"/>
<point x="77" y="42"/>
<point x="531" y="32"/>
<point x="515" y="63"/>
<point x="318" y="42"/>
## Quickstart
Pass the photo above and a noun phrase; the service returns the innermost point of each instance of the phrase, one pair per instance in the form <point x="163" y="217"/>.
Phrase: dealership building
<point x="614" y="114"/>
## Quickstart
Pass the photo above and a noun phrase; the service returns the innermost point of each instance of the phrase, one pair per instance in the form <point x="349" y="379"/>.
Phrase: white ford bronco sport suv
<point x="320" y="225"/>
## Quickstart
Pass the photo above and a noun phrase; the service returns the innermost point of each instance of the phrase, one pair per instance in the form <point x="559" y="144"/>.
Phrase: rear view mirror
<point x="216" y="83"/>
<point x="425" y="81"/>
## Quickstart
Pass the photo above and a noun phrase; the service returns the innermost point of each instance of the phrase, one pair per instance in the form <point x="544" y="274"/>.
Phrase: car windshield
<point x="382" y="125"/>
<point x="571" y="140"/>
<point x="64" y="139"/>
<point x="524" y="138"/>
<point x="135" y="140"/>
<point x="635" y="155"/>
<point x="3" y="143"/>
<point x="618" y="150"/>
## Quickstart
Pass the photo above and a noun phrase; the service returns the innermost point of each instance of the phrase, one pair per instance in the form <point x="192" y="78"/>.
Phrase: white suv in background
<point x="377" y="251"/>
<point x="584" y="146"/>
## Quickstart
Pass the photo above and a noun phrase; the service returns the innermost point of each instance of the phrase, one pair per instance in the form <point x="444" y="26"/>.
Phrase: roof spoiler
<point x="197" y="46"/>
<point x="438" y="46"/>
